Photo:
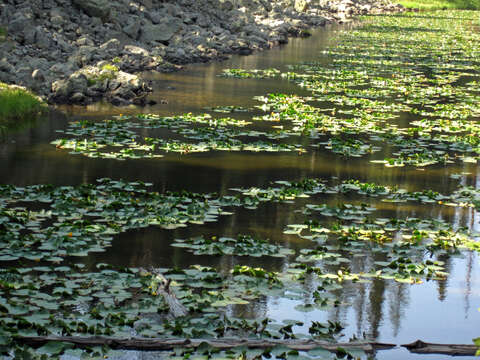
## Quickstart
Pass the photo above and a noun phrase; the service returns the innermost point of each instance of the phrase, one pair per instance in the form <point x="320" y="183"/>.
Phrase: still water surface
<point x="436" y="311"/>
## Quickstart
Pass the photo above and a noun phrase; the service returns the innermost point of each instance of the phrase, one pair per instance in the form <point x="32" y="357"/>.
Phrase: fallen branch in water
<point x="162" y="288"/>
<point x="177" y="309"/>
<point x="420" y="347"/>
<point x="222" y="344"/>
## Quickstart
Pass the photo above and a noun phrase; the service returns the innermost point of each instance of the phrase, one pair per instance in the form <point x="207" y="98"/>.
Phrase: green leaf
<point x="54" y="348"/>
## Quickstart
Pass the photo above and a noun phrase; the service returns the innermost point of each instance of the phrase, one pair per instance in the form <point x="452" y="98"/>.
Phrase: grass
<point x="108" y="71"/>
<point x="17" y="104"/>
<point x="441" y="4"/>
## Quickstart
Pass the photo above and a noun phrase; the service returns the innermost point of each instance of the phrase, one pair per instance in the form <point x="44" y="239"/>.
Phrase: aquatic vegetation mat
<point x="397" y="90"/>
<point x="117" y="139"/>
<point x="403" y="86"/>
<point x="44" y="225"/>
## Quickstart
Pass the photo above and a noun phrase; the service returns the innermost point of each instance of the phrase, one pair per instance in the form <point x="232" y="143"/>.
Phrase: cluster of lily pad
<point x="46" y="224"/>
<point x="66" y="301"/>
<point x="390" y="69"/>
<point x="242" y="245"/>
<point x="117" y="138"/>
<point x="376" y="76"/>
<point x="247" y="74"/>
<point x="373" y="78"/>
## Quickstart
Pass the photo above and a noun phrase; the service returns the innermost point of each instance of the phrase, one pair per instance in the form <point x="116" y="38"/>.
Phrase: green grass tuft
<point x="108" y="71"/>
<point x="441" y="4"/>
<point x="18" y="103"/>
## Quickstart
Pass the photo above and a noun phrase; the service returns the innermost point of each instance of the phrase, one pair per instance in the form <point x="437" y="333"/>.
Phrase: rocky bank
<point x="81" y="51"/>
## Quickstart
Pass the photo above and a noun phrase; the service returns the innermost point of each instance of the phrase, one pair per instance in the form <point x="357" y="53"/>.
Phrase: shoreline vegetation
<point x="17" y="103"/>
<point x="440" y="4"/>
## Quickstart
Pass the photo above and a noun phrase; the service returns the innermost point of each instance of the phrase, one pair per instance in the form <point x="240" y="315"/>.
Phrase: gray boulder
<point x="96" y="8"/>
<point x="133" y="29"/>
<point x="301" y="5"/>
<point x="19" y="24"/>
<point x="161" y="32"/>
<point x="64" y="89"/>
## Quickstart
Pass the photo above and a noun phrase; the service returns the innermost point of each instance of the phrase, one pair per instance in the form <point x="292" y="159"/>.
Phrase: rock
<point x="111" y="48"/>
<point x="142" y="100"/>
<point x="154" y="17"/>
<point x="301" y="5"/>
<point x="5" y="66"/>
<point x="29" y="36"/>
<point x="43" y="39"/>
<point x="63" y="89"/>
<point x="118" y="101"/>
<point x="226" y="5"/>
<point x="84" y="41"/>
<point x="266" y="4"/>
<point x="77" y="98"/>
<point x="6" y="77"/>
<point x="61" y="70"/>
<point x="124" y="92"/>
<point x="38" y="76"/>
<point x="162" y="32"/>
<point x="135" y="50"/>
<point x="19" y="24"/>
<point x="133" y="29"/>
<point x="96" y="8"/>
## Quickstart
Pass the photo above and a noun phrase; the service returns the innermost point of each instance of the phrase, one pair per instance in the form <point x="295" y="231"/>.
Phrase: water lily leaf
<point x="54" y="348"/>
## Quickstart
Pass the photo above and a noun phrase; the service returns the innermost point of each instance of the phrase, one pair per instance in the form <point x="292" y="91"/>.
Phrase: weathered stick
<point x="421" y="347"/>
<point x="177" y="309"/>
<point x="168" y="344"/>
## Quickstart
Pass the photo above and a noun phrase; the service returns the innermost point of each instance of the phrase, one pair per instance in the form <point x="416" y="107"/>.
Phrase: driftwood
<point x="222" y="344"/>
<point x="420" y="347"/>
<point x="177" y="309"/>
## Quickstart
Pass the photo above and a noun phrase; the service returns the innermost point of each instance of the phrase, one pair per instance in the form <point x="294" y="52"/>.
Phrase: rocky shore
<point x="82" y="51"/>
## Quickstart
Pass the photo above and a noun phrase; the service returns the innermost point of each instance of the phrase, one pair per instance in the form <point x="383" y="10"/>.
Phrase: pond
<point x="344" y="165"/>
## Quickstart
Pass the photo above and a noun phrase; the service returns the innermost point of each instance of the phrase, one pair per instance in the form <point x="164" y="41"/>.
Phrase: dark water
<point x="436" y="311"/>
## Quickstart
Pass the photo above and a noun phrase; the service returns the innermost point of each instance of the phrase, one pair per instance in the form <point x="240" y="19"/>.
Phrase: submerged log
<point x="222" y="344"/>
<point x="420" y="347"/>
